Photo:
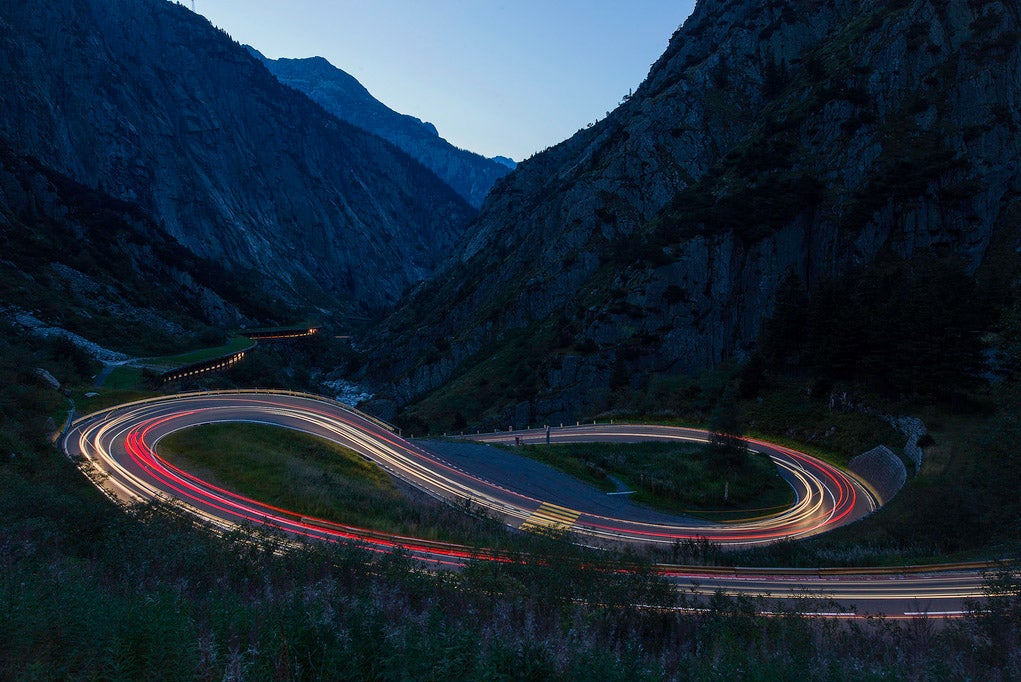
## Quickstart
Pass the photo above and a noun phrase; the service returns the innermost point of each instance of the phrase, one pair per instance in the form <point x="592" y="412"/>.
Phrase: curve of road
<point x="121" y="445"/>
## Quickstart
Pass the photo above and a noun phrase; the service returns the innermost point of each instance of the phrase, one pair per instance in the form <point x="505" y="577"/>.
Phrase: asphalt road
<point x="825" y="496"/>
<point x="121" y="446"/>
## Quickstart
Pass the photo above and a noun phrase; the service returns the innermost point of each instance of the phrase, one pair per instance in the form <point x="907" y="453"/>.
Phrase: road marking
<point x="550" y="516"/>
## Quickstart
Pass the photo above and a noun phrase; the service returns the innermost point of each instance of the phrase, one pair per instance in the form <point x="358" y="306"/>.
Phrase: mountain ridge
<point x="149" y="103"/>
<point x="471" y="175"/>
<point x="764" y="141"/>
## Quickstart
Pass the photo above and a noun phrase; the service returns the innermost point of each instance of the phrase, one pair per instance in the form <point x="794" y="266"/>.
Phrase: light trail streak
<point x="123" y="443"/>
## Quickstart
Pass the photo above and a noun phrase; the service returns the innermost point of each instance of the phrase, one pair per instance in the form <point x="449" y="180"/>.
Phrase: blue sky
<point x="495" y="77"/>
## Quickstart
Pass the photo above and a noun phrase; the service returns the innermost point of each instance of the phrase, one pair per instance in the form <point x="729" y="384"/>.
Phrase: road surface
<point x="120" y="447"/>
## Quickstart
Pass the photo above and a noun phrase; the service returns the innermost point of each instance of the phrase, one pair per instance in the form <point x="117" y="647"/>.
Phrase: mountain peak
<point x="149" y="103"/>
<point x="506" y="161"/>
<point x="469" y="174"/>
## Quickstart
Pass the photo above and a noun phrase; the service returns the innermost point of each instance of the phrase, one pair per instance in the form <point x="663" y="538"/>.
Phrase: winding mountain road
<point x="119" y="448"/>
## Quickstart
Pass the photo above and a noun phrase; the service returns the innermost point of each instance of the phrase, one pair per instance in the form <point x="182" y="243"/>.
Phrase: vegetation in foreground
<point x="150" y="596"/>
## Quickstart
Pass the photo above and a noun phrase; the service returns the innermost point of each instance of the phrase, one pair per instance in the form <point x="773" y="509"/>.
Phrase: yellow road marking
<point x="550" y="516"/>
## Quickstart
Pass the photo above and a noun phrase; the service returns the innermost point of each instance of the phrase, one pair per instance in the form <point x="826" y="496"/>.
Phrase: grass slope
<point x="314" y="477"/>
<point x="679" y="478"/>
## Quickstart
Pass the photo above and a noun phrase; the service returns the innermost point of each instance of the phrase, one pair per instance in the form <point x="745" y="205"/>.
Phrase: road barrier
<point x="241" y="391"/>
<point x="281" y="334"/>
<point x="222" y="363"/>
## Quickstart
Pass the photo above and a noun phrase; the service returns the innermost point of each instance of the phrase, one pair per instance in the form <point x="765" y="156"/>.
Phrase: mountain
<point x="770" y="140"/>
<point x="103" y="269"/>
<point x="510" y="163"/>
<point x="146" y="102"/>
<point x="471" y="175"/>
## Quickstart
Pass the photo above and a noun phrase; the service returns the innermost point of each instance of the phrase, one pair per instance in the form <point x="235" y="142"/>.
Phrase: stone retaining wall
<point x="881" y="470"/>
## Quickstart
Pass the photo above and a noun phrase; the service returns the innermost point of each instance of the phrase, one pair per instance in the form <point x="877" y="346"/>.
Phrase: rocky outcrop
<point x="770" y="138"/>
<point x="470" y="175"/>
<point x="39" y="328"/>
<point x="146" y="101"/>
<point x="914" y="430"/>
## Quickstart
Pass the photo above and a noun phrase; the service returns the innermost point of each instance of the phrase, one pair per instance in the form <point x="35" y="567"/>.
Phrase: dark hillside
<point x="102" y="268"/>
<point x="147" y="102"/>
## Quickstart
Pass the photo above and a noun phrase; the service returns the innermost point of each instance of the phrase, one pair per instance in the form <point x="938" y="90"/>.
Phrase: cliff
<point x="470" y="175"/>
<point x="147" y="102"/>
<point x="770" y="138"/>
<point x="103" y="269"/>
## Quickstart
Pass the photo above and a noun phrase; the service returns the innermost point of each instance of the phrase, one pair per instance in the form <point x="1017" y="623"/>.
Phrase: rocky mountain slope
<point x="471" y="175"/>
<point x="771" y="138"/>
<point x="102" y="269"/>
<point x="147" y="102"/>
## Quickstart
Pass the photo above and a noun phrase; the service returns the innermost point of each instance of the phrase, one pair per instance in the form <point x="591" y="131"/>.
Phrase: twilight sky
<point x="507" y="77"/>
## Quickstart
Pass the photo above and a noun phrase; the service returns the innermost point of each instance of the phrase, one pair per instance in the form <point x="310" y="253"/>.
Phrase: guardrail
<point x="216" y="364"/>
<point x="281" y="334"/>
<point x="242" y="391"/>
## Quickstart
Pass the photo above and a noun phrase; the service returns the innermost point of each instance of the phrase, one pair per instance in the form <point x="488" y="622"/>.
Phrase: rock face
<point x="102" y="269"/>
<point x="470" y="175"/>
<point x="146" y="101"/>
<point x="771" y="137"/>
